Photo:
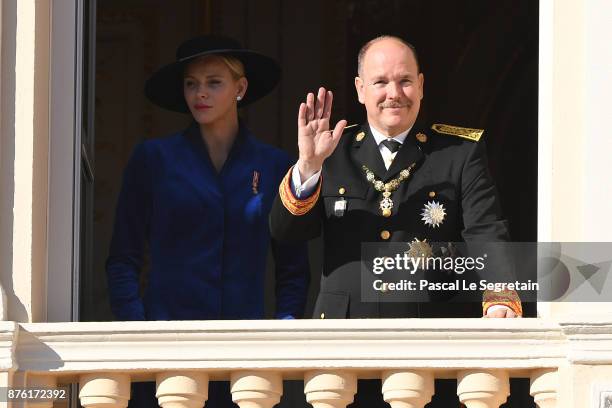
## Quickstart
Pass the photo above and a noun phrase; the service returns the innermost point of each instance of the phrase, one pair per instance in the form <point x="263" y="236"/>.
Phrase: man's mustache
<point x="392" y="104"/>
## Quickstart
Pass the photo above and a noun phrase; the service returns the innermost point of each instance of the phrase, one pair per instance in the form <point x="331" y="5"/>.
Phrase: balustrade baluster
<point x="325" y="389"/>
<point x="256" y="389"/>
<point x="407" y="389"/>
<point x="181" y="389"/>
<point x="483" y="388"/>
<point x="104" y="390"/>
<point x="544" y="385"/>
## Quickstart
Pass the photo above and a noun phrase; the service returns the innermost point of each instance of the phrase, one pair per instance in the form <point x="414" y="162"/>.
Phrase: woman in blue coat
<point x="199" y="199"/>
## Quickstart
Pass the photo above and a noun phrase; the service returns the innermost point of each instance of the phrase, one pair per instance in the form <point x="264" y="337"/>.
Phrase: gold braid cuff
<point x="294" y="205"/>
<point x="507" y="298"/>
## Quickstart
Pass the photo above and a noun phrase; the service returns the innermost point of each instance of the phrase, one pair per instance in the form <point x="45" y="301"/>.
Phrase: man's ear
<point x="421" y="84"/>
<point x="359" y="86"/>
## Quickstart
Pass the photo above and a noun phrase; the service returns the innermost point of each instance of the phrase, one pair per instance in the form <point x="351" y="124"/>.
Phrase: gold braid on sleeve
<point x="507" y="298"/>
<point x="294" y="205"/>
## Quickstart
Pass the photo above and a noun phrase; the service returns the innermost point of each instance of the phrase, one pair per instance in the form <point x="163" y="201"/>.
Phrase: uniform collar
<point x="409" y="153"/>
<point x="367" y="152"/>
<point x="379" y="136"/>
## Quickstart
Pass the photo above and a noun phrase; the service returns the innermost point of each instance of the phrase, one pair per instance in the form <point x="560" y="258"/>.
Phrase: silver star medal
<point x="433" y="214"/>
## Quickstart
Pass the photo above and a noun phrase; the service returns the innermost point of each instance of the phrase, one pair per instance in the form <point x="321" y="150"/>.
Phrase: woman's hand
<point x="315" y="141"/>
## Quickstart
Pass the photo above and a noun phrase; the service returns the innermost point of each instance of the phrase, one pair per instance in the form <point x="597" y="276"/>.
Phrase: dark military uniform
<point x="449" y="169"/>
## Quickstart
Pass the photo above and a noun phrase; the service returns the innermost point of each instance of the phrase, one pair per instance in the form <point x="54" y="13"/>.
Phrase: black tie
<point x="392" y="145"/>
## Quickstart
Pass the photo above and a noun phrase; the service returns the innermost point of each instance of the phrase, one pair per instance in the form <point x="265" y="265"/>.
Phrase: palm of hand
<point x="314" y="138"/>
<point x="315" y="141"/>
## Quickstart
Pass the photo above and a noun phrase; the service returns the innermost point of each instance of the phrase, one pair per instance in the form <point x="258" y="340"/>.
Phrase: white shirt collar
<point x="379" y="137"/>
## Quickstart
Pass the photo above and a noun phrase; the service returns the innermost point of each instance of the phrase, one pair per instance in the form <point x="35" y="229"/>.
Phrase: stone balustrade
<point x="407" y="355"/>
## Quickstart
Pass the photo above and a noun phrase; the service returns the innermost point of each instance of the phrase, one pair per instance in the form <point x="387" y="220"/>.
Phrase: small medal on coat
<point x="386" y="204"/>
<point x="255" y="182"/>
<point x="339" y="207"/>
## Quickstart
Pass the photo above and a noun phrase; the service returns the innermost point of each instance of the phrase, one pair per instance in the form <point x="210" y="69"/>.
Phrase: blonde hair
<point x="235" y="66"/>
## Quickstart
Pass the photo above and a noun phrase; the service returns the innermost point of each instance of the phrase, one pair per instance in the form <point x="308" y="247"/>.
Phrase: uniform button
<point x="341" y="190"/>
<point x="432" y="194"/>
<point x="322" y="315"/>
<point x="384" y="234"/>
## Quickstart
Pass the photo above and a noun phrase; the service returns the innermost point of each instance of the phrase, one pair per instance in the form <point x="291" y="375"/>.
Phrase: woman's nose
<point x="201" y="91"/>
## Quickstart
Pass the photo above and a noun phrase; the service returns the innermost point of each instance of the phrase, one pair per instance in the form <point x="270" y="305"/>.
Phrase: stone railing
<point x="565" y="361"/>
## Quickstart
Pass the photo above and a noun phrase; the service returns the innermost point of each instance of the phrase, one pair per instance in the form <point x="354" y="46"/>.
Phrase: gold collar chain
<point x="386" y="203"/>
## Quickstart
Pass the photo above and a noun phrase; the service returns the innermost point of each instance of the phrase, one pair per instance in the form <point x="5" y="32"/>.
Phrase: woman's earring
<point x="238" y="98"/>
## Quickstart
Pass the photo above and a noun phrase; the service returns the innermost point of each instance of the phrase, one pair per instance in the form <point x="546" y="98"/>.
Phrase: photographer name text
<point x="457" y="285"/>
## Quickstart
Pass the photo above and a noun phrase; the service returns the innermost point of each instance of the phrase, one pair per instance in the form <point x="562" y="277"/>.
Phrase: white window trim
<point x="64" y="171"/>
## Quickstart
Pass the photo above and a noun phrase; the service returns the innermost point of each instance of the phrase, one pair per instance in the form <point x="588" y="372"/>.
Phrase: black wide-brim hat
<point x="165" y="87"/>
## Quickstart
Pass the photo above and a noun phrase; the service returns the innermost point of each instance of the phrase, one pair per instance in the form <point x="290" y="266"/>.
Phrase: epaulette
<point x="465" y="133"/>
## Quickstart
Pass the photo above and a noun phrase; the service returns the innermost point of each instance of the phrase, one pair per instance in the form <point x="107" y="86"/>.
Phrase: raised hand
<point x="315" y="141"/>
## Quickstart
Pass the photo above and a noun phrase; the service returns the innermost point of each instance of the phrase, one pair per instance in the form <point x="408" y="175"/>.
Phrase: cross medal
<point x="386" y="203"/>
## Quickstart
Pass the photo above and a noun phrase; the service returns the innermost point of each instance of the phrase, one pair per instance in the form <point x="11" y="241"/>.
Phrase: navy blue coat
<point x="207" y="233"/>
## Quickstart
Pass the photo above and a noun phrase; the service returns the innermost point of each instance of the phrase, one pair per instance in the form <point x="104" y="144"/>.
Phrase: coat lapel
<point x="408" y="154"/>
<point x="198" y="171"/>
<point x="366" y="153"/>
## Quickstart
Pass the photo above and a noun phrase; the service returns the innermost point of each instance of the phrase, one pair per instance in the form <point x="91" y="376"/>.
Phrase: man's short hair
<point x="366" y="47"/>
